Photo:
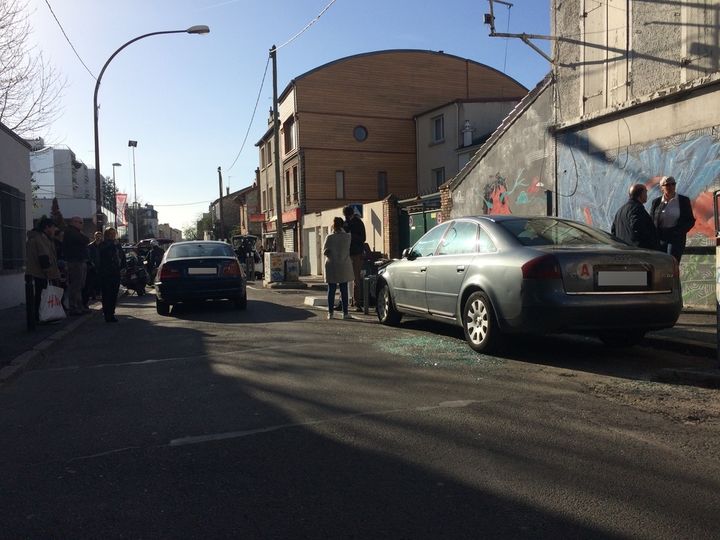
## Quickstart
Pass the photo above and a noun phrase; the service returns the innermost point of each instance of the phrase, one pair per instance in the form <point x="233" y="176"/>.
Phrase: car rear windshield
<point x="554" y="232"/>
<point x="180" y="251"/>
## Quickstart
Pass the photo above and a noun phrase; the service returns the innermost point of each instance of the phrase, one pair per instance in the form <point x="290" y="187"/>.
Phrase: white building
<point x="58" y="174"/>
<point x="15" y="215"/>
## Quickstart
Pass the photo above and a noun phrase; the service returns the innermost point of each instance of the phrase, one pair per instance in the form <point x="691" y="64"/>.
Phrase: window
<point x="339" y="184"/>
<point x="269" y="151"/>
<point x="461" y="238"/>
<point x="295" y="194"/>
<point x="486" y="245"/>
<point x="427" y="245"/>
<point x="382" y="184"/>
<point x="288" y="196"/>
<point x="263" y="202"/>
<point x="12" y="223"/>
<point x="271" y="200"/>
<point x="438" y="129"/>
<point x="360" y="133"/>
<point x="438" y="177"/>
<point x="289" y="134"/>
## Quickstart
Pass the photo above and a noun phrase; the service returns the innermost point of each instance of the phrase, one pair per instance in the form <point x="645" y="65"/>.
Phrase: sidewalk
<point x="19" y="347"/>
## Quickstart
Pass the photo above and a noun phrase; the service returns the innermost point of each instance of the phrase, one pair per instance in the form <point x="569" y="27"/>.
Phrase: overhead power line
<point x="262" y="83"/>
<point x="242" y="146"/>
<point x="68" y="40"/>
<point x="308" y="25"/>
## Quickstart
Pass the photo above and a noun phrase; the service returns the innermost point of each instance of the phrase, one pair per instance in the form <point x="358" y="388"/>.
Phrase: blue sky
<point x="188" y="99"/>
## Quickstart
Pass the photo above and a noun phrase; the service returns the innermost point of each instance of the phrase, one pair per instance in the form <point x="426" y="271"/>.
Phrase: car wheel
<point x="241" y="302"/>
<point x="386" y="312"/>
<point x="479" y="324"/>
<point x="622" y="339"/>
<point x="163" y="308"/>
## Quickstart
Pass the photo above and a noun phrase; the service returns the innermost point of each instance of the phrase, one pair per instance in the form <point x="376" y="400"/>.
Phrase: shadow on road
<point x="178" y="438"/>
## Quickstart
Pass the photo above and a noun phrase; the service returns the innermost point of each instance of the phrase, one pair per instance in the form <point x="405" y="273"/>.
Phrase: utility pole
<point x="279" y="245"/>
<point x="222" y="221"/>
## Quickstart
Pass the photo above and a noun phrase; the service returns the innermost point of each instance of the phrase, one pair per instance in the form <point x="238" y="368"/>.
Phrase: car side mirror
<point x="408" y="254"/>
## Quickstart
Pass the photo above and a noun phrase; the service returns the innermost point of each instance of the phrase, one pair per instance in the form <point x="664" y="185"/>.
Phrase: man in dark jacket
<point x="356" y="228"/>
<point x="632" y="223"/>
<point x="76" y="256"/>
<point x="673" y="216"/>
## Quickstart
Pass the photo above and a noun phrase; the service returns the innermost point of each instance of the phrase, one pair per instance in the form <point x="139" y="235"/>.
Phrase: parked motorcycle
<point x="134" y="276"/>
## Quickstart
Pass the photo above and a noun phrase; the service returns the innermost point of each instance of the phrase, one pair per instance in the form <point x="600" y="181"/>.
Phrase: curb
<point x="29" y="359"/>
<point x="686" y="346"/>
<point x="707" y="379"/>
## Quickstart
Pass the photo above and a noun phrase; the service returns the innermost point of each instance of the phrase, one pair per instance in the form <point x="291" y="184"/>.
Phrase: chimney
<point x="467" y="132"/>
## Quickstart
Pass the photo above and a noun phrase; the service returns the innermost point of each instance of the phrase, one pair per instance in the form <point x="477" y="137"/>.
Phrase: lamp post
<point x="114" y="202"/>
<point x="197" y="29"/>
<point x="133" y="144"/>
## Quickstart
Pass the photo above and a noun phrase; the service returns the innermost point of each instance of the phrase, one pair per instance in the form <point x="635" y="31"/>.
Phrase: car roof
<point x="184" y="242"/>
<point x="499" y="218"/>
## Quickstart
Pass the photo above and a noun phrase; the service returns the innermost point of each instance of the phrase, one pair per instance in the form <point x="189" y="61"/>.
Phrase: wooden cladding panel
<point x="336" y="132"/>
<point x="398" y="84"/>
<point x="360" y="176"/>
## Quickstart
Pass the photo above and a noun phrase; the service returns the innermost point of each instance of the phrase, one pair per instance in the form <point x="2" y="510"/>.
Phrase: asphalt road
<point x="276" y="423"/>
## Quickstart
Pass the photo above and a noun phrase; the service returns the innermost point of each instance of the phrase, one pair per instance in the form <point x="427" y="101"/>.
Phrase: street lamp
<point x="197" y="29"/>
<point x="114" y="202"/>
<point x="133" y="145"/>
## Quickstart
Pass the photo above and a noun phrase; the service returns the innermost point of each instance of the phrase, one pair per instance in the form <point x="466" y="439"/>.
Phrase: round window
<point x="360" y="133"/>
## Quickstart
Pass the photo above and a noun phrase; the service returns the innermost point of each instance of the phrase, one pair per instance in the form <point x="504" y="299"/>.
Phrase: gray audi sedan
<point x="498" y="275"/>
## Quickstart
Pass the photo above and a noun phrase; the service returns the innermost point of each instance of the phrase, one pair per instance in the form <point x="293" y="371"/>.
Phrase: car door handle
<point x="460" y="268"/>
<point x="423" y="268"/>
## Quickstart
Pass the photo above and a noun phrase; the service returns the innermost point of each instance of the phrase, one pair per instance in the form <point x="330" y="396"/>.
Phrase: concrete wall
<point x="316" y="227"/>
<point x="598" y="164"/>
<point x="511" y="178"/>
<point x="15" y="172"/>
<point x="602" y="65"/>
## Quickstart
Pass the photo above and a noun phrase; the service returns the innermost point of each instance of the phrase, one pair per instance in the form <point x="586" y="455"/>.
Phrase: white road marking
<point x="245" y="433"/>
<point x="161" y="360"/>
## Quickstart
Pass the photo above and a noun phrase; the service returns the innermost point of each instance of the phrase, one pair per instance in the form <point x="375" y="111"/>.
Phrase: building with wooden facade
<point x="348" y="129"/>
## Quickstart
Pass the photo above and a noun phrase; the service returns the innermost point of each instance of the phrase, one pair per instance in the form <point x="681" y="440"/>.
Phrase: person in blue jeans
<point x="338" y="266"/>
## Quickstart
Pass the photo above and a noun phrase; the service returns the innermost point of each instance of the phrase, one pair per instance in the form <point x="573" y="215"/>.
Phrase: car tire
<point x="163" y="308"/>
<point x="386" y="312"/>
<point x="479" y="323"/>
<point x="241" y="302"/>
<point x="622" y="339"/>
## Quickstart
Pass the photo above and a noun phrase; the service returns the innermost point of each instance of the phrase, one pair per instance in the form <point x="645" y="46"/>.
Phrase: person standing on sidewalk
<point x="673" y="216"/>
<point x="632" y="223"/>
<point x="92" y="282"/>
<point x="338" y="267"/>
<point x="41" y="262"/>
<point x="76" y="256"/>
<point x="356" y="228"/>
<point x="111" y="259"/>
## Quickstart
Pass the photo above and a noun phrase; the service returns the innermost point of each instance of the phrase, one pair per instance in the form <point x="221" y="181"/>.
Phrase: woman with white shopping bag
<point x="42" y="267"/>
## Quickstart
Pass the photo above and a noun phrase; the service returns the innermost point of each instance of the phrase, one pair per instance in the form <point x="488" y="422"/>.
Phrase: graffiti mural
<point x="591" y="187"/>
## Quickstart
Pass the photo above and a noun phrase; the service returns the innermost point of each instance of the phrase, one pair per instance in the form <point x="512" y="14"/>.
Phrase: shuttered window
<point x="12" y="223"/>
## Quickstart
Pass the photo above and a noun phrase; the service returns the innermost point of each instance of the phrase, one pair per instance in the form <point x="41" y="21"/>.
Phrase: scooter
<point x="134" y="276"/>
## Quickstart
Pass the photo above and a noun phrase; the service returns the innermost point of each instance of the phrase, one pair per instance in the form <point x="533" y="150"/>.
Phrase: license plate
<point x="622" y="279"/>
<point x="202" y="271"/>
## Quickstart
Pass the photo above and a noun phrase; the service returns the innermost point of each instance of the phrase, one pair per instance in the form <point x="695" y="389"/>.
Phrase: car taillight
<point x="231" y="269"/>
<point x="168" y="272"/>
<point x="545" y="267"/>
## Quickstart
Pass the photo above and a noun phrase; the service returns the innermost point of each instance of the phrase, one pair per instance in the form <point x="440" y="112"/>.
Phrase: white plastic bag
<point x="51" y="308"/>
